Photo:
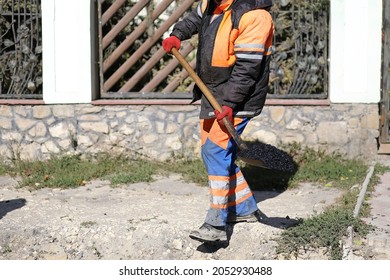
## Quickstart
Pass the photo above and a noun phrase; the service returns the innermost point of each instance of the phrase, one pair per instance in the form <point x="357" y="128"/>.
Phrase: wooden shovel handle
<point x="209" y="97"/>
<point x="197" y="80"/>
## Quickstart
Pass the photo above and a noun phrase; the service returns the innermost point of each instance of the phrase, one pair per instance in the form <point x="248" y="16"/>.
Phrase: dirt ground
<point x="144" y="221"/>
<point x="139" y="221"/>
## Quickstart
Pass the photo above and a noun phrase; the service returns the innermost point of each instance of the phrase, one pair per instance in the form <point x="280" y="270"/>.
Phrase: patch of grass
<point x="322" y="231"/>
<point x="328" y="169"/>
<point x="193" y="171"/>
<point x="73" y="171"/>
<point x="6" y="249"/>
<point x="65" y="171"/>
<point x="4" y="169"/>
<point x="133" y="172"/>
<point x="327" y="229"/>
<point x="88" y="224"/>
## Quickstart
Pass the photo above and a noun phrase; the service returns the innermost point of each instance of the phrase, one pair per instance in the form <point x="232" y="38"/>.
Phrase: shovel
<point x="257" y="154"/>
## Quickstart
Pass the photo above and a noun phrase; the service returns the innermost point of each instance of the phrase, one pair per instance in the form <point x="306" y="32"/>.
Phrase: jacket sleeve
<point x="190" y="24"/>
<point x="253" y="43"/>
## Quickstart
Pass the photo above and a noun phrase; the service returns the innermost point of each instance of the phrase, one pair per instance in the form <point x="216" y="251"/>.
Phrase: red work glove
<point x="171" y="42"/>
<point x="226" y="111"/>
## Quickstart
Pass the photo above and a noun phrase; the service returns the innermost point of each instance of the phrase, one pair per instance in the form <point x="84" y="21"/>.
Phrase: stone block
<point x="39" y="130"/>
<point x="332" y="133"/>
<point x="263" y="136"/>
<point x="174" y="143"/>
<point x="12" y="137"/>
<point x="354" y="110"/>
<point x="171" y="128"/>
<point x="59" y="130"/>
<point x="294" y="125"/>
<point x="5" y="123"/>
<point x="370" y="121"/>
<point x="126" y="129"/>
<point x="89" y="118"/>
<point x="50" y="147"/>
<point x="131" y="119"/>
<point x="64" y="111"/>
<point x="291" y="137"/>
<point x="87" y="140"/>
<point x="192" y="121"/>
<point x="5" y="111"/>
<point x="41" y="112"/>
<point x="121" y="114"/>
<point x="149" y="138"/>
<point x="24" y="124"/>
<point x="311" y="139"/>
<point x="277" y="113"/>
<point x="353" y="123"/>
<point x="100" y="127"/>
<point x="90" y="109"/>
<point x="160" y="127"/>
<point x="180" y="108"/>
<point x="23" y="111"/>
<point x="30" y="152"/>
<point x="65" y="144"/>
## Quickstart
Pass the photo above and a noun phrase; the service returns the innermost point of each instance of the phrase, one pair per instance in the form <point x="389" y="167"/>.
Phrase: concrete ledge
<point x="100" y="102"/>
<point x="21" y="102"/>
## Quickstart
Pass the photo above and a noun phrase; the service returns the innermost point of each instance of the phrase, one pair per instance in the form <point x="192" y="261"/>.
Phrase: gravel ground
<point x="144" y="221"/>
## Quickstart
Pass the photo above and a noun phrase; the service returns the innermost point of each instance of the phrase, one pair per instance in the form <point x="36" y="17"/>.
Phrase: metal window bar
<point x="299" y="68"/>
<point x="133" y="64"/>
<point x="20" y="49"/>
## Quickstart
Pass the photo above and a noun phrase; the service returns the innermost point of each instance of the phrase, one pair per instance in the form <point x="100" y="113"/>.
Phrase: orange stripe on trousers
<point x="232" y="203"/>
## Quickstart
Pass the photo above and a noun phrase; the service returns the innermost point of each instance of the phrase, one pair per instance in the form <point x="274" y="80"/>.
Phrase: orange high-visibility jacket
<point x="233" y="53"/>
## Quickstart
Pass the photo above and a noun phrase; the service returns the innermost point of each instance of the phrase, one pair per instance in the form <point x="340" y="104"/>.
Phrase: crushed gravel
<point x="144" y="221"/>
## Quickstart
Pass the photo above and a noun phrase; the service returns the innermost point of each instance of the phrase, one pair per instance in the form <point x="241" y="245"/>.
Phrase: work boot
<point x="208" y="233"/>
<point x="251" y="218"/>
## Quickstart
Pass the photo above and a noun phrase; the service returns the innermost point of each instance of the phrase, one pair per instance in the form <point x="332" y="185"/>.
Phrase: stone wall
<point x="164" y="132"/>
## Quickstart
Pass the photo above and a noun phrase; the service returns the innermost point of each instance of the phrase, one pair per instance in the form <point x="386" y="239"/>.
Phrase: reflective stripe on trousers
<point x="229" y="191"/>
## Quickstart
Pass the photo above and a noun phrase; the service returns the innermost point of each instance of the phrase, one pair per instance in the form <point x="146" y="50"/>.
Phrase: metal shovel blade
<point x="267" y="156"/>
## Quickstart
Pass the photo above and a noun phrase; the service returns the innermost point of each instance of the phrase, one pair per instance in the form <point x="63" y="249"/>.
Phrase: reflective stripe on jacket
<point x="233" y="53"/>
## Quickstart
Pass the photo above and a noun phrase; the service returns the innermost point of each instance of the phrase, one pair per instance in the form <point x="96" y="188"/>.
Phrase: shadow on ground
<point x="10" y="205"/>
<point x="261" y="179"/>
<point x="265" y="184"/>
<point x="277" y="222"/>
<point x="280" y="169"/>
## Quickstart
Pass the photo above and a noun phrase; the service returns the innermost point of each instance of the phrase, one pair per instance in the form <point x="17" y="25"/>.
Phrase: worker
<point x="233" y="56"/>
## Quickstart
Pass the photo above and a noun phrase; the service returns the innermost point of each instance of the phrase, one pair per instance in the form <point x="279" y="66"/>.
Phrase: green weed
<point x="88" y="224"/>
<point x="193" y="171"/>
<point x="322" y="231"/>
<point x="332" y="170"/>
<point x="133" y="172"/>
<point x="327" y="229"/>
<point x="71" y="171"/>
<point x="3" y="170"/>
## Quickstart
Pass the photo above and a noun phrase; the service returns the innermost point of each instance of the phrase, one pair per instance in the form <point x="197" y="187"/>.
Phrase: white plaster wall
<point x="66" y="37"/>
<point x="355" y="51"/>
